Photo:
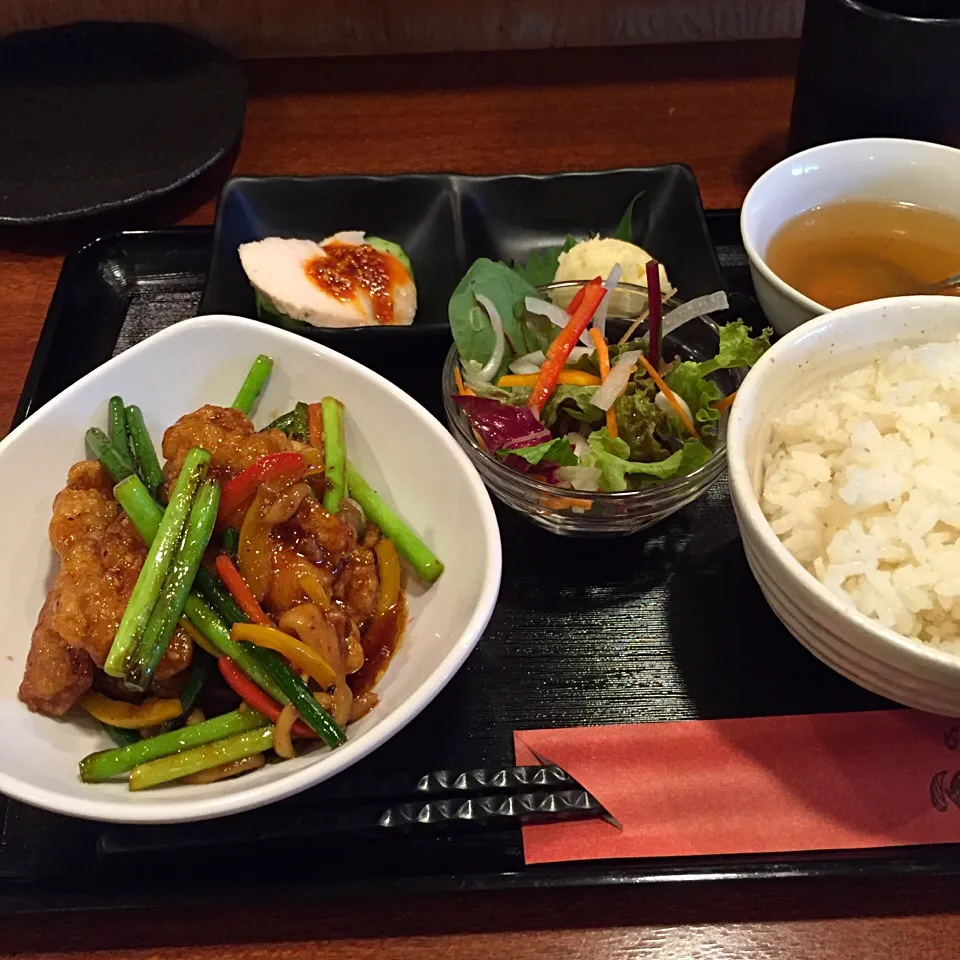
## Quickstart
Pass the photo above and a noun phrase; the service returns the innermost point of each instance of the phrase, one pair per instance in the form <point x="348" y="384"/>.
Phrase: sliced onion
<point x="581" y="478"/>
<point x="610" y="284"/>
<point x="664" y="404"/>
<point x="532" y="362"/>
<point x="694" y="308"/>
<point x="616" y="380"/>
<point x="487" y="372"/>
<point x="579" y="443"/>
<point x="528" y="363"/>
<point x="529" y="440"/>
<point x="556" y="315"/>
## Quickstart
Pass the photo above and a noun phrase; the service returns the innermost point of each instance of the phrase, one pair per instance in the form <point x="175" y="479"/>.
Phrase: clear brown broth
<point x="843" y="253"/>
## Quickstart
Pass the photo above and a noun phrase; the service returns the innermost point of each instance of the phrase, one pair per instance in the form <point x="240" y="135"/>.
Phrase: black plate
<point x="445" y="222"/>
<point x="667" y="624"/>
<point x="96" y="116"/>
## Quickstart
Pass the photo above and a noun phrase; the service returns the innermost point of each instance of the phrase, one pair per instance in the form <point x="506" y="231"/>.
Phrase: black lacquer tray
<point x="665" y="625"/>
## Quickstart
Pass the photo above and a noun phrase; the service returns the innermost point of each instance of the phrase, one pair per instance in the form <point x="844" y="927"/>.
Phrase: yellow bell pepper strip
<point x="388" y="566"/>
<point x="572" y="378"/>
<point x="198" y="638"/>
<point x="313" y="588"/>
<point x="253" y="551"/>
<point x="299" y="654"/>
<point x="130" y="716"/>
<point x="239" y="590"/>
<point x="566" y="340"/>
<point x="668" y="393"/>
<point x="603" y="361"/>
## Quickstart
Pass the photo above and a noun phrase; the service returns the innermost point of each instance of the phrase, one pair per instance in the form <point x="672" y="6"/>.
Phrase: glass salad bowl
<point x="578" y="513"/>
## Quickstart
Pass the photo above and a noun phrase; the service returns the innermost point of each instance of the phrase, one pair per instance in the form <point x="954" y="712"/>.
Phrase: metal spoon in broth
<point x="945" y="288"/>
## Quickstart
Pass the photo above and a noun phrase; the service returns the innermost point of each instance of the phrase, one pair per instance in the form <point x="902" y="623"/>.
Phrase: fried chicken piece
<point x="358" y="585"/>
<point x="333" y="535"/>
<point x="56" y="675"/>
<point x="289" y="564"/>
<point x="101" y="555"/>
<point x="227" y="434"/>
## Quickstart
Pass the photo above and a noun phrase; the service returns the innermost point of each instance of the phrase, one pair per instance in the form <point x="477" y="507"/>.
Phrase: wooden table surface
<point x="724" y="110"/>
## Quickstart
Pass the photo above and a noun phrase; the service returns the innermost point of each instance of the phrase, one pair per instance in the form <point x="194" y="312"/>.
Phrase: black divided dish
<point x="444" y="222"/>
<point x="665" y="625"/>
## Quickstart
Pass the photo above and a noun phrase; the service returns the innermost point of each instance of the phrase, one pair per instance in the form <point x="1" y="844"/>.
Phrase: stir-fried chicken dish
<point x="230" y="606"/>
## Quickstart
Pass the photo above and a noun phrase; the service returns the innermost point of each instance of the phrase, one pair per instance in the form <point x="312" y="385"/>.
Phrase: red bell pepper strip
<point x="249" y="692"/>
<point x="244" y="485"/>
<point x="240" y="591"/>
<point x="567" y="339"/>
<point x="572" y="307"/>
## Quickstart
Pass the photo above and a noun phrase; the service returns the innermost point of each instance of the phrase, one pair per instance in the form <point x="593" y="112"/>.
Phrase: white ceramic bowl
<point x="854" y="645"/>
<point x="398" y="446"/>
<point x="906" y="171"/>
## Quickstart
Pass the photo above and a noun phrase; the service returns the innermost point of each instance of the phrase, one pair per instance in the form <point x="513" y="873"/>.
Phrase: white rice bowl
<point x="861" y="482"/>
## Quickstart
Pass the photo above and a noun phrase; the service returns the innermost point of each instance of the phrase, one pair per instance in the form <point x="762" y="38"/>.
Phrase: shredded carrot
<point x="466" y="392"/>
<point x="668" y="393"/>
<point x="315" y="425"/>
<point x="564" y="503"/>
<point x="282" y="744"/>
<point x="603" y="359"/>
<point x="726" y="401"/>
<point x="461" y="389"/>
<point x="573" y="378"/>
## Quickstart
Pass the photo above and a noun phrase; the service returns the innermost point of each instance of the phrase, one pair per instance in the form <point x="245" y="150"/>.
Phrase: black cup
<point x="885" y="68"/>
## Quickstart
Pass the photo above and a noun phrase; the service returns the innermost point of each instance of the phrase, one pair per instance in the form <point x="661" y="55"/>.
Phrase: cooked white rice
<point x="862" y="484"/>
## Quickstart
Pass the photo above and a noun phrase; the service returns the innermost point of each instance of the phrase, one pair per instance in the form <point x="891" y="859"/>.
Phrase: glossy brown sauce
<point x="349" y="270"/>
<point x="379" y="641"/>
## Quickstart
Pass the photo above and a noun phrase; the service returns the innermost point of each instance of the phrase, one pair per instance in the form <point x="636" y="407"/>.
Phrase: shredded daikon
<point x="616" y="380"/>
<point x="556" y="315"/>
<point x="610" y="284"/>
<point x="694" y="308"/>
<point x="664" y="404"/>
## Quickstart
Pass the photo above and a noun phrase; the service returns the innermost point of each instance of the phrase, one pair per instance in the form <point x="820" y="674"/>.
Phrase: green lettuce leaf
<point x="686" y="380"/>
<point x="557" y="450"/>
<point x="469" y="322"/>
<point x="689" y="379"/>
<point x="610" y="455"/>
<point x="641" y="423"/>
<point x="737" y="348"/>
<point x="515" y="396"/>
<point x="540" y="267"/>
<point x="573" y="401"/>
